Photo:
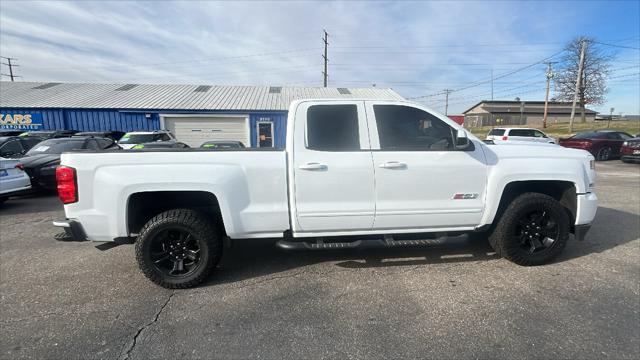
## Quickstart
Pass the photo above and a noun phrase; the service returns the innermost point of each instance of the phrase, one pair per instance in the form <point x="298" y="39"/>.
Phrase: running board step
<point x="387" y="242"/>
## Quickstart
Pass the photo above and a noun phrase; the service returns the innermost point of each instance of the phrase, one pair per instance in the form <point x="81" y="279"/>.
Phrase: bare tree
<point x="593" y="85"/>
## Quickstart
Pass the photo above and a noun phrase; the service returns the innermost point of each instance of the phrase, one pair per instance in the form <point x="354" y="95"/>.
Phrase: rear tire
<point x="178" y="249"/>
<point x="533" y="230"/>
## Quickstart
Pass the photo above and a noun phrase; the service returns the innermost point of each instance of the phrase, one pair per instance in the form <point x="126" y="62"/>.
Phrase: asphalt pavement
<point x="450" y="300"/>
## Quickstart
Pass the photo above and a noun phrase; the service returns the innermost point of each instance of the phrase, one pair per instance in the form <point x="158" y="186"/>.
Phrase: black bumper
<point x="73" y="230"/>
<point x="581" y="231"/>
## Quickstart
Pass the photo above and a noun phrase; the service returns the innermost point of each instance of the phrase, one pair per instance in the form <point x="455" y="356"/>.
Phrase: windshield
<point x="498" y="132"/>
<point x="588" y="135"/>
<point x="136" y="138"/>
<point x="56" y="146"/>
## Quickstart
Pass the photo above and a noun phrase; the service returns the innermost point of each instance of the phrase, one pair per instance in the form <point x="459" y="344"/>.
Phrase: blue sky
<point x="416" y="48"/>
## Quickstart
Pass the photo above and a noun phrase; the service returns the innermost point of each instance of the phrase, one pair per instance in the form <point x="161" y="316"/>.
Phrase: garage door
<point x="193" y="131"/>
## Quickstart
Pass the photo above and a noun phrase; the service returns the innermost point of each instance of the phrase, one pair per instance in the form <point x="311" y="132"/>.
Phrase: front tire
<point x="178" y="249"/>
<point x="603" y="154"/>
<point x="533" y="230"/>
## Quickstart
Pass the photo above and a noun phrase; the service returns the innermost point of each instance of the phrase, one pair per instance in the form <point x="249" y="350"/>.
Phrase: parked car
<point x="630" y="150"/>
<point x="17" y="146"/>
<point x="498" y="135"/>
<point x="41" y="161"/>
<point x="604" y="145"/>
<point x="222" y="145"/>
<point x="50" y="134"/>
<point x="134" y="138"/>
<point x="13" y="179"/>
<point x="115" y="135"/>
<point x="162" y="145"/>
<point x="353" y="172"/>
<point x="11" y="132"/>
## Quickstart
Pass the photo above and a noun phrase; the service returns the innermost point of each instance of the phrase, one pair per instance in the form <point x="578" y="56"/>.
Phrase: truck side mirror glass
<point x="462" y="140"/>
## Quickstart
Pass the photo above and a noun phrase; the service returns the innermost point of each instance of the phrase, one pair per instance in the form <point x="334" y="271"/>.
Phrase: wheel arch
<point x="565" y="192"/>
<point x="144" y="205"/>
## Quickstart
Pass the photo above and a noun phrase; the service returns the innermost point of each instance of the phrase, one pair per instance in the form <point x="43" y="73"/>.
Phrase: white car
<point x="354" y="171"/>
<point x="13" y="179"/>
<point x="131" y="139"/>
<point x="498" y="135"/>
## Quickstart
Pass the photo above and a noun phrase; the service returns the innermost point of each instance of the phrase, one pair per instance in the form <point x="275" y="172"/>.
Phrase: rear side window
<point x="104" y="143"/>
<point x="405" y="128"/>
<point x="521" y="132"/>
<point x="496" y="132"/>
<point x="333" y="128"/>
<point x="30" y="142"/>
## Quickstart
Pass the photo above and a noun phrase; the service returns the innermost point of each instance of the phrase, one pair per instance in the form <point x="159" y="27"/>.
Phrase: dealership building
<point x="254" y="115"/>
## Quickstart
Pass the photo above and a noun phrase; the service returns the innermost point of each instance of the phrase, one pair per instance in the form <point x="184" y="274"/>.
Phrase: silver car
<point x="13" y="179"/>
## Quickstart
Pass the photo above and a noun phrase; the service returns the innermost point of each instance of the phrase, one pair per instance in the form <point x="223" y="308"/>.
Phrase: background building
<point x="255" y="115"/>
<point x="490" y="113"/>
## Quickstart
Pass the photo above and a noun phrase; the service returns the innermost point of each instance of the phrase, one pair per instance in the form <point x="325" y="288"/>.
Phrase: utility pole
<point x="446" y="100"/>
<point x="550" y="76"/>
<point x="326" y="60"/>
<point x="11" y="66"/>
<point x="610" y="116"/>
<point x="578" y="80"/>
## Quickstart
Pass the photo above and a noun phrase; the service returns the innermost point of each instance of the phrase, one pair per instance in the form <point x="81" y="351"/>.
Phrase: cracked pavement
<point x="450" y="300"/>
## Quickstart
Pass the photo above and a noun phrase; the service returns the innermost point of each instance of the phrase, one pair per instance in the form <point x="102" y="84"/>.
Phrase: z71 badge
<point x="465" y="196"/>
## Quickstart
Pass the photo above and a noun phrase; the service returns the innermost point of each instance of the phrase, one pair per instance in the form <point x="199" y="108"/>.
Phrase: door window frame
<point x="374" y="136"/>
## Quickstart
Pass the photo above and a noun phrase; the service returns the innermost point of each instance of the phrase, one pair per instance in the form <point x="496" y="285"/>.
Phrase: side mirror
<point x="462" y="140"/>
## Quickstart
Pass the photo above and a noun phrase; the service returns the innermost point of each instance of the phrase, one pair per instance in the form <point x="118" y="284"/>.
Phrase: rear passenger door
<point x="421" y="181"/>
<point x="333" y="180"/>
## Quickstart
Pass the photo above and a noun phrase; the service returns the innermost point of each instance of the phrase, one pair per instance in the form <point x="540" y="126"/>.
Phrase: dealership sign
<point x="21" y="121"/>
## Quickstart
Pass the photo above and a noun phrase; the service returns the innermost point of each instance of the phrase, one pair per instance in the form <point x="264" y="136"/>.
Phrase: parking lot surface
<point x="450" y="300"/>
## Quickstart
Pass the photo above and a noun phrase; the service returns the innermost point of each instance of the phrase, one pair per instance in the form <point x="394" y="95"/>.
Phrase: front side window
<point x="404" y="128"/>
<point x="333" y="128"/>
<point x="539" y="134"/>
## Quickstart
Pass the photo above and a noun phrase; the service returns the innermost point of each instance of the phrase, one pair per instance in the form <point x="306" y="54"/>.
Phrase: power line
<point x="11" y="66"/>
<point x="613" y="45"/>
<point x="184" y="62"/>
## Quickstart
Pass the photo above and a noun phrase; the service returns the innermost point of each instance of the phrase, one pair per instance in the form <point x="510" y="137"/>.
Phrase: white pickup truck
<point x="353" y="172"/>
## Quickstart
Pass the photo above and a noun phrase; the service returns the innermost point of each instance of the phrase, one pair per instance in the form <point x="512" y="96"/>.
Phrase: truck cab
<point x="352" y="172"/>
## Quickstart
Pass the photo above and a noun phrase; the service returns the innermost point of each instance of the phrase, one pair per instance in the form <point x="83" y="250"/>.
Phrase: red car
<point x="604" y="145"/>
<point x="630" y="150"/>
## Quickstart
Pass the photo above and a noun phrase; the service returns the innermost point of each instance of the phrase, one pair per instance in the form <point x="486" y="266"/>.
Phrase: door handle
<point x="313" y="166"/>
<point x="393" y="165"/>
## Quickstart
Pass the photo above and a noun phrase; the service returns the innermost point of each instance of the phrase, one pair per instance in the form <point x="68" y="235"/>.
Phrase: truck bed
<point x="106" y="181"/>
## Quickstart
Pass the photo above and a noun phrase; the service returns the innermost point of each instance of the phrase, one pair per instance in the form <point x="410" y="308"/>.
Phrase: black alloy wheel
<point x="175" y="252"/>
<point x="537" y="231"/>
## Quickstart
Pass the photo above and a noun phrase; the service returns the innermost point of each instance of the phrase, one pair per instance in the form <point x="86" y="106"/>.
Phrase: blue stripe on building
<point x="135" y="120"/>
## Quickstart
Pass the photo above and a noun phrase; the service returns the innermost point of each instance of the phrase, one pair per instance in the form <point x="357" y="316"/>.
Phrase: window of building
<point x="333" y="128"/>
<point x="404" y="128"/>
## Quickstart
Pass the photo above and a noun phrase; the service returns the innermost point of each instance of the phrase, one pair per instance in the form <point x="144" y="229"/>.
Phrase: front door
<point x="332" y="168"/>
<point x="422" y="182"/>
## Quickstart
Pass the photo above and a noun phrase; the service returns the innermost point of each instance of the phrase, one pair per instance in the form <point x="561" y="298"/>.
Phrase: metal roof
<point x="171" y="97"/>
<point x="535" y="107"/>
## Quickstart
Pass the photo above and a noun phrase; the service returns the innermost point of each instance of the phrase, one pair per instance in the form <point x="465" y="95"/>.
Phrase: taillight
<point x="19" y="167"/>
<point x="505" y="137"/>
<point x="67" y="184"/>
